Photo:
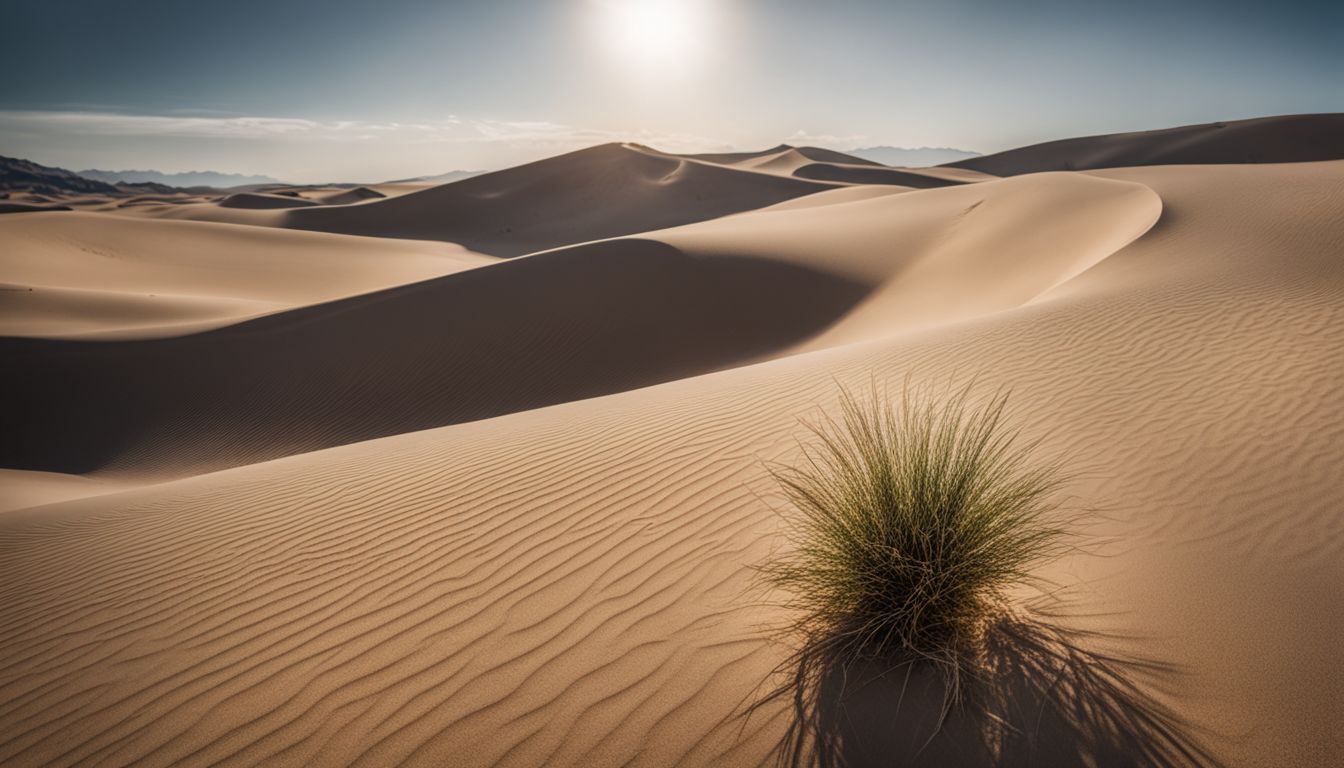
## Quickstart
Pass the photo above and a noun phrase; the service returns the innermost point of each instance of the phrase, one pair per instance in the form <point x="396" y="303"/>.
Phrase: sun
<point x="656" y="36"/>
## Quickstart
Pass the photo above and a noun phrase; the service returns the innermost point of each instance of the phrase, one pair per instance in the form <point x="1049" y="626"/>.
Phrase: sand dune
<point x="341" y="194"/>
<point x="154" y="200"/>
<point x="826" y="165"/>
<point x="595" y="193"/>
<point x="263" y="201"/>
<point x="399" y="188"/>
<point x="573" y="584"/>
<point x="7" y="206"/>
<point x="962" y="175"/>
<point x="20" y="489"/>
<point x="783" y="158"/>
<point x="600" y="192"/>
<point x="259" y="207"/>
<point x="940" y="256"/>
<point x="1287" y="139"/>
<point x="94" y="274"/>
<point x="347" y="196"/>
<point x="864" y="174"/>
<point x="28" y="197"/>
<point x="538" y="330"/>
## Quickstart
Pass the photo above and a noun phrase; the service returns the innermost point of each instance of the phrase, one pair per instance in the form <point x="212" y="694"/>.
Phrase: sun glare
<point x="656" y="36"/>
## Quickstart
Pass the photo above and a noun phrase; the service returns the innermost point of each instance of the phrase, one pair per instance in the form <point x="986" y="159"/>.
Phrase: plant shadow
<point x="1037" y="696"/>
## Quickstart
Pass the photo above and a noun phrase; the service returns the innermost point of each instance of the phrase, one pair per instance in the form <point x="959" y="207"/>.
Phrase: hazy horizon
<point x="310" y="92"/>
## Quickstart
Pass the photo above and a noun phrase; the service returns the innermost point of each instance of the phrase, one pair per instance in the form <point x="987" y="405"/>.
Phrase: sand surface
<point x="92" y="274"/>
<point x="357" y="500"/>
<point x="1280" y="139"/>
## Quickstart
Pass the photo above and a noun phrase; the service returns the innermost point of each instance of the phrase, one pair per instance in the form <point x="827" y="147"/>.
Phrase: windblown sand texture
<point x="471" y="474"/>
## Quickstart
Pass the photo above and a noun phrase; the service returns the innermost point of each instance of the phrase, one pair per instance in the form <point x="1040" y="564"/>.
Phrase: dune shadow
<point x="565" y="325"/>
<point x="1038" y="696"/>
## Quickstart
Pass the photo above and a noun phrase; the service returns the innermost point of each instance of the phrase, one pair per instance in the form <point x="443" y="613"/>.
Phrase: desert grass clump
<point x="912" y="520"/>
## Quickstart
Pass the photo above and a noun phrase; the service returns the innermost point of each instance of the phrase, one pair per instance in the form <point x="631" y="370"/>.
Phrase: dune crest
<point x="606" y="191"/>
<point x="829" y="166"/>
<point x="940" y="256"/>
<point x="262" y="201"/>
<point x="1284" y="139"/>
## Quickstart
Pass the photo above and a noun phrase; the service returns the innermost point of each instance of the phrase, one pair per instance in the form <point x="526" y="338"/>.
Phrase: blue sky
<point x="315" y="90"/>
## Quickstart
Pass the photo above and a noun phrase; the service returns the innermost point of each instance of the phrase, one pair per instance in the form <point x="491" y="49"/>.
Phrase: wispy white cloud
<point x="845" y="141"/>
<point x="452" y="129"/>
<point x="301" y="149"/>
<point x="108" y="124"/>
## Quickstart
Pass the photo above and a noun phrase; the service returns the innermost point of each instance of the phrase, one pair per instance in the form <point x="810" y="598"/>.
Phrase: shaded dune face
<point x="1286" y="139"/>
<point x="863" y="174"/>
<point x="556" y="326"/>
<point x="828" y="166"/>
<point x="602" y="192"/>
<point x="22" y="207"/>
<point x="259" y="201"/>
<point x="356" y="195"/>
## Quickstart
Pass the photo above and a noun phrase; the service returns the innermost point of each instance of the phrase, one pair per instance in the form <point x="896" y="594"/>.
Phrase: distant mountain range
<point x="17" y="174"/>
<point x="183" y="179"/>
<point x="912" y="158"/>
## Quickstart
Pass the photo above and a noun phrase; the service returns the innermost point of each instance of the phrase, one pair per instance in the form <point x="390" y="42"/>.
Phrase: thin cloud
<point x="844" y="141"/>
<point x="108" y="124"/>
<point x="300" y="149"/>
<point x="452" y="129"/>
